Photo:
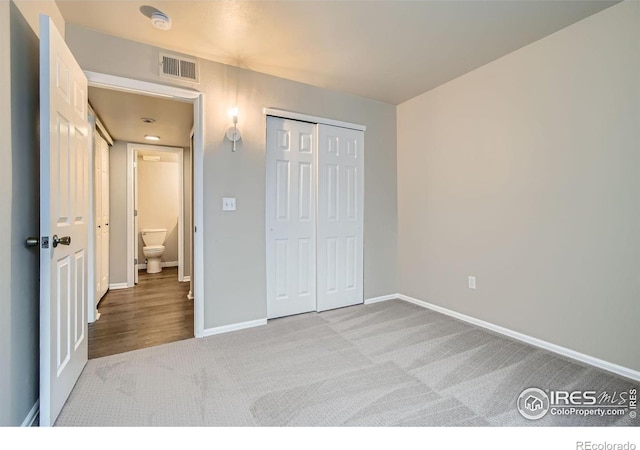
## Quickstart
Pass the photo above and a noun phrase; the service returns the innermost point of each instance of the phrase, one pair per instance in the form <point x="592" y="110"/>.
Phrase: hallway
<point x="156" y="311"/>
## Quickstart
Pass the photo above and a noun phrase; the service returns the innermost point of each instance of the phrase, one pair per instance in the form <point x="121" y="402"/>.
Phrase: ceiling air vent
<point x="178" y="67"/>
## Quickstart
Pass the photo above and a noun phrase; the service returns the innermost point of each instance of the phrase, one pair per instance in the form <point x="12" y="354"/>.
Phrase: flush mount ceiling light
<point x="148" y="120"/>
<point x="160" y="20"/>
<point x="150" y="137"/>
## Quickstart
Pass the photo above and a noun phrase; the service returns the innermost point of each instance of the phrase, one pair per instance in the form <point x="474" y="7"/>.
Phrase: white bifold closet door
<point x="314" y="217"/>
<point x="340" y="217"/>
<point x="101" y="157"/>
<point x="290" y="217"/>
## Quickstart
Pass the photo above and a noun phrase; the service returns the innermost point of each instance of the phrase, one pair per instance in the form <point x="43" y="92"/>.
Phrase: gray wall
<point x="19" y="200"/>
<point x="234" y="244"/>
<point x="118" y="212"/>
<point x="31" y="11"/>
<point x="5" y="220"/>
<point x="525" y="174"/>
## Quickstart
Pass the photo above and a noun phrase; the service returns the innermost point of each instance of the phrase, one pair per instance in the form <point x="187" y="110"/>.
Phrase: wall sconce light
<point x="233" y="134"/>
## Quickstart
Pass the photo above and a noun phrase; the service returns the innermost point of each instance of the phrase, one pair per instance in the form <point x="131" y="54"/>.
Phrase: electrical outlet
<point x="472" y="282"/>
<point x="229" y="204"/>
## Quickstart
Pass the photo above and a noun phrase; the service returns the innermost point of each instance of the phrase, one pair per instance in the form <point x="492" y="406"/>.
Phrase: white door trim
<point x="131" y="149"/>
<point x="197" y="98"/>
<point x="92" y="311"/>
<point x="113" y="82"/>
<point x="283" y="113"/>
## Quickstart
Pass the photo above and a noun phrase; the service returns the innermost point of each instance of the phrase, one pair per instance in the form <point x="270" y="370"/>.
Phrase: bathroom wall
<point x="158" y="202"/>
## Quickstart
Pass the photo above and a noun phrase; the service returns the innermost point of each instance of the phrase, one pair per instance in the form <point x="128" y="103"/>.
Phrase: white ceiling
<point x="121" y="114"/>
<point x="385" y="50"/>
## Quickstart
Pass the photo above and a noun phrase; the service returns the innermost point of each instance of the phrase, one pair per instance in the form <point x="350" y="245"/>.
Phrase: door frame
<point x="113" y="82"/>
<point x="132" y="152"/>
<point x="284" y="114"/>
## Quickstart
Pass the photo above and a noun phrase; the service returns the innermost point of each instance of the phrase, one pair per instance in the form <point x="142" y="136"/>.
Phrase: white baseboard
<point x="369" y="301"/>
<point x="116" y="286"/>
<point x="32" y="416"/>
<point x="596" y="362"/>
<point x="162" y="264"/>
<point x="233" y="327"/>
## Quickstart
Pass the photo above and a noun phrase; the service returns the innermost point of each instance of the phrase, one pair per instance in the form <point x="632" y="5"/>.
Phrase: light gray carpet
<point x="391" y="363"/>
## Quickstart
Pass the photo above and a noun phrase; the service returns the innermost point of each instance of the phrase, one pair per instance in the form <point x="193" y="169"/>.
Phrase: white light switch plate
<point x="472" y="282"/>
<point x="229" y="204"/>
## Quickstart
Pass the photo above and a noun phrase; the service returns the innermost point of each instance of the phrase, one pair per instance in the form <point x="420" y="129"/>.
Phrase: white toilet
<point x="153" y="249"/>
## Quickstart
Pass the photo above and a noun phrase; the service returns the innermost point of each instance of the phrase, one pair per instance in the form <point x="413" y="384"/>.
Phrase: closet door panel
<point x="105" y="217"/>
<point x="290" y="217"/>
<point x="101" y="187"/>
<point x="340" y="217"/>
<point x="97" y="185"/>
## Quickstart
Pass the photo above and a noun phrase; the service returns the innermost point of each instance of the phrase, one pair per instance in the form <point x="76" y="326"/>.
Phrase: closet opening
<point x="314" y="213"/>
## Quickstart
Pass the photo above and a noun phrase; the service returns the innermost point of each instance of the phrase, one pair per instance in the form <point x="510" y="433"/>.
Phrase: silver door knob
<point x="65" y="240"/>
<point x="32" y="242"/>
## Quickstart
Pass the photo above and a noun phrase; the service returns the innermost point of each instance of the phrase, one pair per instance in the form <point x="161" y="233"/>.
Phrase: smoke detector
<point x="161" y="21"/>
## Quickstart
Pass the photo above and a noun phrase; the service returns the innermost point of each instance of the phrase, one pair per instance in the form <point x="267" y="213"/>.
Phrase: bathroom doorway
<point x="160" y="205"/>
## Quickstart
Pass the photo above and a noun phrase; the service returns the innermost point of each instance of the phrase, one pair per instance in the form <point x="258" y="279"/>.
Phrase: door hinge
<point x="135" y="213"/>
<point x="45" y="241"/>
<point x="135" y="261"/>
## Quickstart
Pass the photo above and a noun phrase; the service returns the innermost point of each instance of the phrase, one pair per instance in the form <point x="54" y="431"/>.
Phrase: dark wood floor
<point x="154" y="312"/>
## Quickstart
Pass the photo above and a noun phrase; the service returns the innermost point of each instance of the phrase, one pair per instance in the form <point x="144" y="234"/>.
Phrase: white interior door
<point x="101" y="187"/>
<point x="64" y="194"/>
<point x="136" y="234"/>
<point x="98" y="216"/>
<point x="340" y="217"/>
<point x="105" y="216"/>
<point x="290" y="217"/>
